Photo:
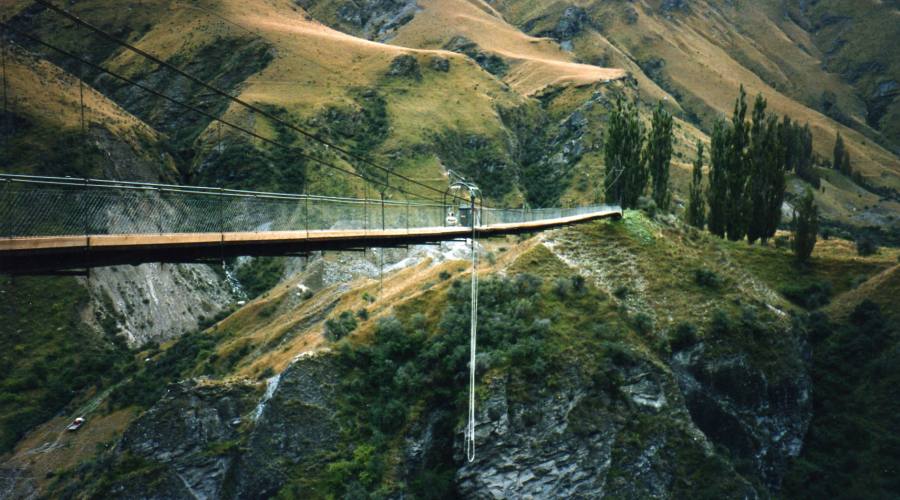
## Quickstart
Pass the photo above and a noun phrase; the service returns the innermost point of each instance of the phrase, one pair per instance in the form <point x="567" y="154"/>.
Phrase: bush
<point x="578" y="283"/>
<point x="706" y="278"/>
<point x="340" y="327"/>
<point x="810" y="296"/>
<point x="685" y="336"/>
<point x="866" y="246"/>
<point x="528" y="284"/>
<point x="621" y="292"/>
<point x="260" y="275"/>
<point x="647" y="205"/>
<point x="444" y="275"/>
<point x="561" y="287"/>
<point x="643" y="323"/>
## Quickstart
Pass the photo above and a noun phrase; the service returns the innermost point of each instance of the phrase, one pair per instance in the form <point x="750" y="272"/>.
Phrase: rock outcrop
<point x="230" y="440"/>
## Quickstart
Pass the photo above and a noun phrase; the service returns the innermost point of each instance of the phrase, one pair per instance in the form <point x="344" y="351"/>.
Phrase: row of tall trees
<point x="634" y="157"/>
<point x="749" y="159"/>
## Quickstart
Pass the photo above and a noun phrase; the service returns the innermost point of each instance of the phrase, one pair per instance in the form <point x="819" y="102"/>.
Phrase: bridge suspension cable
<point x="236" y="100"/>
<point x="295" y="150"/>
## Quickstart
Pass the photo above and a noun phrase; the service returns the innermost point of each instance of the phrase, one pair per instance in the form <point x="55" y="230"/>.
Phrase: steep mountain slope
<point x="613" y="361"/>
<point x="849" y="449"/>
<point x="640" y="349"/>
<point x="702" y="51"/>
<point x="42" y="131"/>
<point x="845" y="33"/>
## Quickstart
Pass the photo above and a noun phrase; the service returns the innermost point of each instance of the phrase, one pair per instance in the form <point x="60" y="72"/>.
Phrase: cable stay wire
<point x="294" y="149"/>
<point x="76" y="19"/>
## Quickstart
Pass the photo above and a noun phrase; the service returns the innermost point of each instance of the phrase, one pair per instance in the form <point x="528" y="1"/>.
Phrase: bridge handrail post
<point x="221" y="214"/>
<point x="84" y="219"/>
<point x="7" y="196"/>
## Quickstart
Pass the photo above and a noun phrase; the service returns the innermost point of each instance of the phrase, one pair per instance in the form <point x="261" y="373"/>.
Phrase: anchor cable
<point x="473" y="332"/>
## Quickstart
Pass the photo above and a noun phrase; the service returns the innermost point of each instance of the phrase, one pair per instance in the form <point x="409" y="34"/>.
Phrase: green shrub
<point x="363" y="314"/>
<point x="866" y="246"/>
<point x="407" y="369"/>
<point x="340" y="327"/>
<point x="707" y="279"/>
<point x="643" y="324"/>
<point x="685" y="336"/>
<point x="444" y="275"/>
<point x="810" y="296"/>
<point x="561" y="287"/>
<point x="579" y="284"/>
<point x="647" y="205"/>
<point x="260" y="275"/>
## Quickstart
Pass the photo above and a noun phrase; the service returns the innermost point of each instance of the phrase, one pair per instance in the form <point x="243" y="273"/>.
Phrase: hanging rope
<point x="473" y="330"/>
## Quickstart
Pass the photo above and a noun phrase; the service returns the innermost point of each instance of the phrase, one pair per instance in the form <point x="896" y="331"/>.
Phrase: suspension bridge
<point x="53" y="224"/>
<point x="65" y="224"/>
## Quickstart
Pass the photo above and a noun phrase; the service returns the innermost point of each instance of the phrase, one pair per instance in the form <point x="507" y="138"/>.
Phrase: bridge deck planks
<point x="112" y="241"/>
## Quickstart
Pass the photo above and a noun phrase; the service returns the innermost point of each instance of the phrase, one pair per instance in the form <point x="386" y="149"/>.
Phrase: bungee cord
<point x="473" y="333"/>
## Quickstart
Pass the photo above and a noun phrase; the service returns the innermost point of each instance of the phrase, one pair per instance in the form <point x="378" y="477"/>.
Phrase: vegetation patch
<point x="48" y="356"/>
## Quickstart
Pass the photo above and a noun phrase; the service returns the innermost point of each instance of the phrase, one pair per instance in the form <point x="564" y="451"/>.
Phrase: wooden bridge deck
<point x="58" y="253"/>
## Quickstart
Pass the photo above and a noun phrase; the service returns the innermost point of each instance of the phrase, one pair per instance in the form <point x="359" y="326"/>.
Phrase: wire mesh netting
<point x="44" y="206"/>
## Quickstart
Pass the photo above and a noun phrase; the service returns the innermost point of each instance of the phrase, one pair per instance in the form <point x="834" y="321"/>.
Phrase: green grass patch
<point x="48" y="356"/>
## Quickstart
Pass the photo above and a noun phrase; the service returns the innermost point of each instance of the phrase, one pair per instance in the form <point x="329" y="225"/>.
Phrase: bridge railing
<point x="60" y="206"/>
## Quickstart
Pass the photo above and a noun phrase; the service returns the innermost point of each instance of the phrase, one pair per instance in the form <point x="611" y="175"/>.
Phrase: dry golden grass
<point x="50" y="96"/>
<point x="328" y="63"/>
<point x="535" y="63"/>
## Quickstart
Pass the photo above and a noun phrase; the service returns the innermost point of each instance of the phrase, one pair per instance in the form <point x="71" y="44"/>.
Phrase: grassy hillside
<point x="850" y="448"/>
<point x="843" y="32"/>
<point x="42" y="128"/>
<point x="701" y="52"/>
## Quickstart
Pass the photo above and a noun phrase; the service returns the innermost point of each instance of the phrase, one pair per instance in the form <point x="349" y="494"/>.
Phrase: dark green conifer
<point x="839" y="150"/>
<point x="658" y="155"/>
<point x="696" y="210"/>
<point x="806" y="226"/>
<point x="737" y="172"/>
<point x="717" y="192"/>
<point x="626" y="173"/>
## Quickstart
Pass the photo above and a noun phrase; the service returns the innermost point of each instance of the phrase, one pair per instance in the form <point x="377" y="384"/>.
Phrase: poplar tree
<point x="758" y="162"/>
<point x="717" y="192"/>
<point x="776" y="183"/>
<point x="626" y="173"/>
<point x="696" y="210"/>
<point x="806" y="226"/>
<point x="737" y="171"/>
<point x="659" y="155"/>
<point x="838" y="153"/>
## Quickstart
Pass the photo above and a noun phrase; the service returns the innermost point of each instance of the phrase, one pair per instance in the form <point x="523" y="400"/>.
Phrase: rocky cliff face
<point x="643" y="438"/>
<point x="631" y="400"/>
<point x="232" y="440"/>
<point x="632" y="428"/>
<point x="157" y="302"/>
